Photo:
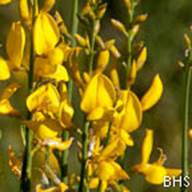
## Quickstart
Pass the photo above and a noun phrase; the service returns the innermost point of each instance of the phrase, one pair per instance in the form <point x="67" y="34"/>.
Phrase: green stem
<point x="85" y="143"/>
<point x="92" y="48"/>
<point x="65" y="134"/>
<point x="185" y="147"/>
<point x="27" y="158"/>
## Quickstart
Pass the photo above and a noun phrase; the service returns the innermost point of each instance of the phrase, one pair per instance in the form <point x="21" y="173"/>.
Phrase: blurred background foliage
<point x="163" y="35"/>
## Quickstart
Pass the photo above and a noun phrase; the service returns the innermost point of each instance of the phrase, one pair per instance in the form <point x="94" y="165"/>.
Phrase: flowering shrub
<point x="70" y="75"/>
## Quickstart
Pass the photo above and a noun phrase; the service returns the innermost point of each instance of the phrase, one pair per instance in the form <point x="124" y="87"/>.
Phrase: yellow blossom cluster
<point x="40" y="46"/>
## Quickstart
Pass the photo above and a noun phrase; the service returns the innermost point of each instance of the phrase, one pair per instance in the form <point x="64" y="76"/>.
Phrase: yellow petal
<point x="153" y="95"/>
<point x="96" y="114"/>
<point x="15" y="45"/>
<point x="66" y="113"/>
<point x="45" y="33"/>
<point x="173" y="172"/>
<point x="114" y="76"/>
<point x="48" y="5"/>
<point x="155" y="174"/>
<point x="102" y="60"/>
<point x="7" y="109"/>
<point x="132" y="115"/>
<point x="100" y="92"/>
<point x="45" y="98"/>
<point x="3" y="2"/>
<point x="93" y="183"/>
<point x="126" y="138"/>
<point x="5" y="106"/>
<point x="147" y="146"/>
<point x="24" y="11"/>
<point x="4" y="70"/>
<point x="60" y="74"/>
<point x="142" y="58"/>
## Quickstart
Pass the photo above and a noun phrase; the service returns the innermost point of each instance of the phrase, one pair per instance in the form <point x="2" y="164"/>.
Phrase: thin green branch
<point x="27" y="158"/>
<point x="85" y="143"/>
<point x="185" y="142"/>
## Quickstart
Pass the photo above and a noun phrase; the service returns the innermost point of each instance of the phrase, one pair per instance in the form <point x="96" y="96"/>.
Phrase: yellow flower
<point x="98" y="97"/>
<point x="5" y="106"/>
<point x="153" y="95"/>
<point x="154" y="172"/>
<point x="102" y="166"/>
<point x="46" y="98"/>
<point x="45" y="33"/>
<point x="15" y="45"/>
<point x="130" y="117"/>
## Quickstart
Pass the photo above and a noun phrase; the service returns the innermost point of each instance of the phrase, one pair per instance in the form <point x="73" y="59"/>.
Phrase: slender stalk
<point x="91" y="59"/>
<point x="27" y="159"/>
<point x="85" y="142"/>
<point x="185" y="147"/>
<point x="65" y="134"/>
<point x="129" y="45"/>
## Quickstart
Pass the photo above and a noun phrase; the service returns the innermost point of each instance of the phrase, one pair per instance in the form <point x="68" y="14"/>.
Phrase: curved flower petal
<point x="4" y="70"/>
<point x="45" y="33"/>
<point x="153" y="95"/>
<point x="15" y="45"/>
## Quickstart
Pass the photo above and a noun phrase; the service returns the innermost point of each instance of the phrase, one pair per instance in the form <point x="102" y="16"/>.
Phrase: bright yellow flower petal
<point x="45" y="98"/>
<point x="3" y="2"/>
<point x="142" y="58"/>
<point x="5" y="106"/>
<point x="66" y="113"/>
<point x="4" y="70"/>
<point x="155" y="174"/>
<point x="132" y="115"/>
<point x="43" y="130"/>
<point x="24" y="11"/>
<point x="93" y="183"/>
<point x="45" y="33"/>
<point x="102" y="60"/>
<point x="60" y="74"/>
<point x="7" y="109"/>
<point x="147" y="146"/>
<point x="153" y="95"/>
<point x="15" y="45"/>
<point x="48" y="5"/>
<point x="100" y="92"/>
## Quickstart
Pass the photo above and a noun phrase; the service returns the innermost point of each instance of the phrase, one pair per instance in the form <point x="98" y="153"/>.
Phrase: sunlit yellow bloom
<point x="60" y="188"/>
<point x="154" y="172"/>
<point x="45" y="33"/>
<point x="4" y="70"/>
<point x="98" y="97"/>
<point x="102" y="166"/>
<point x="15" y="45"/>
<point x="5" y="106"/>
<point x="153" y="95"/>
<point x="130" y="116"/>
<point x="3" y="2"/>
<point x="46" y="98"/>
